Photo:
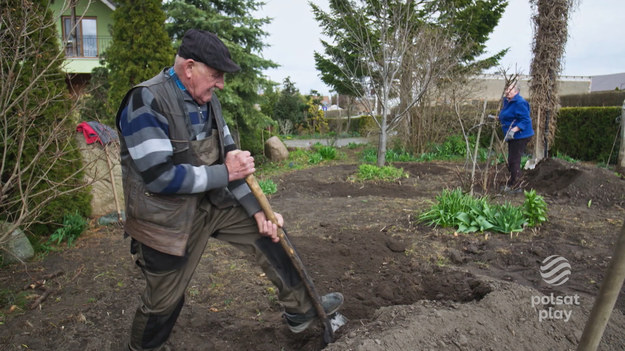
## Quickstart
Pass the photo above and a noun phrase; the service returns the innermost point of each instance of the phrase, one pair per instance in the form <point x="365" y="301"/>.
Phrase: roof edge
<point x="108" y="4"/>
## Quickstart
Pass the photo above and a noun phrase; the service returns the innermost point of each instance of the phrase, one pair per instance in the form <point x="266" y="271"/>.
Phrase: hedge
<point x="588" y="133"/>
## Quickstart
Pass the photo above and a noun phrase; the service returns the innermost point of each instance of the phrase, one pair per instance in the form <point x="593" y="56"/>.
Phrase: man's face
<point x="203" y="82"/>
<point x="511" y="91"/>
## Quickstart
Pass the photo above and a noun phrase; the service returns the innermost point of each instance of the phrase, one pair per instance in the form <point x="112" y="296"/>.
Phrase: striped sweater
<point x="146" y="133"/>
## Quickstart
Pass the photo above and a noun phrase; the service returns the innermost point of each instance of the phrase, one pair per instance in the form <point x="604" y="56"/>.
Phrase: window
<point x="85" y="44"/>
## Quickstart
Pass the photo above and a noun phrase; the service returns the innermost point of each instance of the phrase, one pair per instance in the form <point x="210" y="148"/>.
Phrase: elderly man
<point x="184" y="183"/>
<point x="516" y="125"/>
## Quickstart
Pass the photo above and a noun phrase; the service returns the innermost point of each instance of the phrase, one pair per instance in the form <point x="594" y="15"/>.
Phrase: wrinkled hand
<point x="240" y="164"/>
<point x="268" y="228"/>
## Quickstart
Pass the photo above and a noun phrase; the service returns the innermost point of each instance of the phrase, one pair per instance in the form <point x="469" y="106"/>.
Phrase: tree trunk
<point x="550" y="36"/>
<point x="382" y="142"/>
<point x="539" y="147"/>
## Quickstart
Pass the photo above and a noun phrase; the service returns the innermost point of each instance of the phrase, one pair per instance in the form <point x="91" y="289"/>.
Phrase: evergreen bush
<point x="140" y="49"/>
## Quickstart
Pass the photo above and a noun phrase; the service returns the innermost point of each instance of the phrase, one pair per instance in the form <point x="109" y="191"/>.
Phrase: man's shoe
<point x="299" y="322"/>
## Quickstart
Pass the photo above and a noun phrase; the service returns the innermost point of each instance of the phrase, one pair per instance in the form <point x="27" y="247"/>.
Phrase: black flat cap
<point x="205" y="47"/>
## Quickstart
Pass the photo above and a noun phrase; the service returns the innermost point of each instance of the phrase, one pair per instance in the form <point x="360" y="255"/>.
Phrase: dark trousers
<point x="516" y="148"/>
<point x="167" y="276"/>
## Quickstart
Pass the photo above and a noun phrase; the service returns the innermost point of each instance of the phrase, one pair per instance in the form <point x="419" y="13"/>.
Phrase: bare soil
<point x="408" y="286"/>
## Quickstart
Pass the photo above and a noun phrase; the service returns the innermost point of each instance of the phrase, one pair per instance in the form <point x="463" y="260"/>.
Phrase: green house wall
<point x="104" y="21"/>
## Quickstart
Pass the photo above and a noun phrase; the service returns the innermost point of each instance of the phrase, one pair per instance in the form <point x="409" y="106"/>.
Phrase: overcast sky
<point x="596" y="42"/>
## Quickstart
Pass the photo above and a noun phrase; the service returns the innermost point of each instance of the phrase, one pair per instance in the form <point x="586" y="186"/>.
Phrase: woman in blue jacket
<point x="516" y="125"/>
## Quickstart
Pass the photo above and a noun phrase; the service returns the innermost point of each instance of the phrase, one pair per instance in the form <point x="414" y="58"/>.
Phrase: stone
<point x="395" y="245"/>
<point x="276" y="150"/>
<point x="18" y="245"/>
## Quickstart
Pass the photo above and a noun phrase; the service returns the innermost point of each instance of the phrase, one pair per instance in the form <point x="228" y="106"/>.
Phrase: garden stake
<point x="608" y="294"/>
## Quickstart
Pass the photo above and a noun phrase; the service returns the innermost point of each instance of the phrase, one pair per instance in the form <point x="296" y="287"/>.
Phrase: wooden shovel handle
<point x="262" y="199"/>
<point x="328" y="334"/>
<point x="264" y="204"/>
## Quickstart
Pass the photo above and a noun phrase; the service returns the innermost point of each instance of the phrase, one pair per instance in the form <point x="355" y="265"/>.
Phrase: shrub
<point x="367" y="125"/>
<point x="587" y="133"/>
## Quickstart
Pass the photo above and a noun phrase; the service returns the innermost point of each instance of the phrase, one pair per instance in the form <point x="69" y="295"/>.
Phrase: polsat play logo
<point x="555" y="270"/>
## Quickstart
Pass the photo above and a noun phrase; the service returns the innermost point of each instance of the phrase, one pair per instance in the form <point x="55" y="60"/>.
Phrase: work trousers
<point x="167" y="276"/>
<point x="516" y="148"/>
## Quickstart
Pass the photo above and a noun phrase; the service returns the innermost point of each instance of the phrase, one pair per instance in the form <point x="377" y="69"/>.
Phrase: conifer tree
<point x="291" y="105"/>
<point x="235" y="25"/>
<point x="140" y="47"/>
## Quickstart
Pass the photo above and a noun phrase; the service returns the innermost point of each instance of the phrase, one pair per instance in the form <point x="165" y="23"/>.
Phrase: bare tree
<point x="550" y="35"/>
<point x="35" y="117"/>
<point x="388" y="38"/>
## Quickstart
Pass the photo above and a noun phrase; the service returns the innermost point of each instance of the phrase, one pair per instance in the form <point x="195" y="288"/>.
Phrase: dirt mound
<point x="407" y="286"/>
<point x="375" y="268"/>
<point x="504" y="320"/>
<point x="577" y="183"/>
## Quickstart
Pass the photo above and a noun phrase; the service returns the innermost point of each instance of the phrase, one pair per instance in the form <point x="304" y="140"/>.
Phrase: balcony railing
<point x="86" y="47"/>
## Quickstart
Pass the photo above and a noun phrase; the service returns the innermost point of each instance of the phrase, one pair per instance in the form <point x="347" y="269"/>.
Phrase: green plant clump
<point x="327" y="152"/>
<point x="315" y="158"/>
<point x="321" y="153"/>
<point x="449" y="204"/>
<point x="73" y="225"/>
<point x="534" y="208"/>
<point x="565" y="157"/>
<point x="470" y="214"/>
<point x="268" y="186"/>
<point x="299" y="157"/>
<point x="386" y="173"/>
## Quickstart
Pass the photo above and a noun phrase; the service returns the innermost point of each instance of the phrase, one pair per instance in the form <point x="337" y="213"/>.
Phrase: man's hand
<point x="268" y="228"/>
<point x="239" y="164"/>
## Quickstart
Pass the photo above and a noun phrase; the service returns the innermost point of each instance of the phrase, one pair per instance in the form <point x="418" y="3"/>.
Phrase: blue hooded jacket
<point x="516" y="113"/>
